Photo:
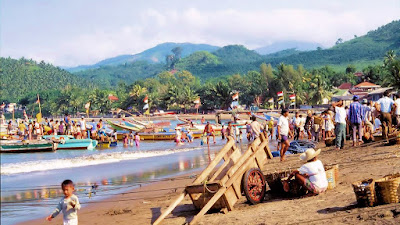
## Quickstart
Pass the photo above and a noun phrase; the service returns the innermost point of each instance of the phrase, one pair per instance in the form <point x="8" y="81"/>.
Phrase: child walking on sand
<point x="69" y="205"/>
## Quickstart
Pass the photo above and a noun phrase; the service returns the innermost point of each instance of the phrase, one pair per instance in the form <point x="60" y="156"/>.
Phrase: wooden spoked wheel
<point x="254" y="185"/>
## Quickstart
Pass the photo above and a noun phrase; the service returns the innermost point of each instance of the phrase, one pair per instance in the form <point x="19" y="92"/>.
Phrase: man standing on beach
<point x="386" y="106"/>
<point x="82" y="123"/>
<point x="340" y="120"/>
<point x="255" y="127"/>
<point x="356" y="120"/>
<point x="284" y="132"/>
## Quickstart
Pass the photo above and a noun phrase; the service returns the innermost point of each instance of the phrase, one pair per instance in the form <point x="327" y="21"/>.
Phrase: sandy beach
<point x="338" y="206"/>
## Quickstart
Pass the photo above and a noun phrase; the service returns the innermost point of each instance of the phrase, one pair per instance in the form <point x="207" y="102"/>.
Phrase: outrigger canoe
<point x="67" y="142"/>
<point x="27" y="146"/>
<point x="122" y="126"/>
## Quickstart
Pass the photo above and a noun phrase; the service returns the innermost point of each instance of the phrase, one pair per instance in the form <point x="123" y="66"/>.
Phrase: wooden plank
<point x="215" y="161"/>
<point x="223" y="166"/>
<point x="170" y="208"/>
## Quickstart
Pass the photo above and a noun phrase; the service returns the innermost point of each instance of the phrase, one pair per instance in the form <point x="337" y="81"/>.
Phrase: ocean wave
<point x="90" y="160"/>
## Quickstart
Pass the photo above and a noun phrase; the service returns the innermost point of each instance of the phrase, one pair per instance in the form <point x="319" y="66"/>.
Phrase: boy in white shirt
<point x="68" y="205"/>
<point x="311" y="175"/>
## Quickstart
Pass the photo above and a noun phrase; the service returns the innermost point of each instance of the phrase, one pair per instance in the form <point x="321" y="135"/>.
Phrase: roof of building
<point x="358" y="74"/>
<point x="379" y="91"/>
<point x="366" y="85"/>
<point x="345" y="86"/>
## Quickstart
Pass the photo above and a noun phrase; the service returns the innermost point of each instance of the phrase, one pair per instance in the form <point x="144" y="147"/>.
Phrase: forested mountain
<point x="20" y="77"/>
<point x="156" y="54"/>
<point x="110" y="76"/>
<point x="369" y="48"/>
<point x="236" y="59"/>
<point x="285" y="45"/>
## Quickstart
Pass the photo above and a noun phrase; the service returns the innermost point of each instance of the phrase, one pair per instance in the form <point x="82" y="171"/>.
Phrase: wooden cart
<point x="222" y="187"/>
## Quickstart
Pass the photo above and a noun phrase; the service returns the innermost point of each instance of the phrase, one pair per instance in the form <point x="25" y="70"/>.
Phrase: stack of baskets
<point x="375" y="192"/>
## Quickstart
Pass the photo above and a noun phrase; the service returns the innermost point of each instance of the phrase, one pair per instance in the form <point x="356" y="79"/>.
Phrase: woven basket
<point x="388" y="189"/>
<point x="365" y="192"/>
<point x="332" y="175"/>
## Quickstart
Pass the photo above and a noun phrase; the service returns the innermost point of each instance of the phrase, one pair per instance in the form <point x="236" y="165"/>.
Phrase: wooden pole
<point x="40" y="108"/>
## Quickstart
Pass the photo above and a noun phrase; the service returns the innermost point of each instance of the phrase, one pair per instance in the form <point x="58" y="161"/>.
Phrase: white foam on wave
<point x="90" y="160"/>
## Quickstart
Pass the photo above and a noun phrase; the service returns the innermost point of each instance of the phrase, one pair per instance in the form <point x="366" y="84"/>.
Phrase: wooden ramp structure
<point x="222" y="187"/>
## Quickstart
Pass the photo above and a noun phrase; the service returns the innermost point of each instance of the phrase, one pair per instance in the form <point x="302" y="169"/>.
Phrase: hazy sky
<point x="76" y="32"/>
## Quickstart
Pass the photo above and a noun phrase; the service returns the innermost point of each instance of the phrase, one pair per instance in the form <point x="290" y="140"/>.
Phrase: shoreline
<point x="337" y="206"/>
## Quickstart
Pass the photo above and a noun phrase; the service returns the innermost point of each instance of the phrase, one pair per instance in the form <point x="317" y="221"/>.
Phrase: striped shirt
<point x="356" y="112"/>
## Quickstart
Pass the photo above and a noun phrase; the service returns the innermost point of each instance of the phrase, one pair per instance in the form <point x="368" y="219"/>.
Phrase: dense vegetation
<point x="19" y="77"/>
<point x="213" y="77"/>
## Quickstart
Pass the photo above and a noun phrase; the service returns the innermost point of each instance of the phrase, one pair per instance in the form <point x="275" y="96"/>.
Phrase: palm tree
<point x="389" y="57"/>
<point x="318" y="90"/>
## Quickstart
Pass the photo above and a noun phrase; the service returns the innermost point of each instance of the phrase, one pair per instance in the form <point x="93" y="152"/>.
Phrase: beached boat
<point x="24" y="146"/>
<point x="67" y="142"/>
<point x="122" y="126"/>
<point x="163" y="136"/>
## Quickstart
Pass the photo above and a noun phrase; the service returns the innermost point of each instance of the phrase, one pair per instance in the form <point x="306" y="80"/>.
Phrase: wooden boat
<point x="163" y="136"/>
<point x="27" y="146"/>
<point x="122" y="126"/>
<point x="67" y="142"/>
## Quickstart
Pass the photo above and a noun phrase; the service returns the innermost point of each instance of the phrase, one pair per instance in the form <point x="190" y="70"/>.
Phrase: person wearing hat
<point x="356" y="118"/>
<point x="311" y="175"/>
<point x="284" y="132"/>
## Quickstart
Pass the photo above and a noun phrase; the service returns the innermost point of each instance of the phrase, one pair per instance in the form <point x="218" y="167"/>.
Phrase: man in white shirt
<point x="82" y="122"/>
<point x="386" y="106"/>
<point x="397" y="111"/>
<point x="340" y="120"/>
<point x="311" y="175"/>
<point x="284" y="132"/>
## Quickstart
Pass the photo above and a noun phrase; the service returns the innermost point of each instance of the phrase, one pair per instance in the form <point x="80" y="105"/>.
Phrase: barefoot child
<point x="69" y="205"/>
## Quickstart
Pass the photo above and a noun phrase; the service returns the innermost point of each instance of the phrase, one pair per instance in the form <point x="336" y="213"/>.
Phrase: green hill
<point x="110" y="76"/>
<point x="367" y="49"/>
<point x="19" y="77"/>
<point x="156" y="54"/>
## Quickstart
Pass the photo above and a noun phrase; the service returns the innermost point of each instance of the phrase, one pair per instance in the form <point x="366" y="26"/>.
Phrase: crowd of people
<point x="360" y="120"/>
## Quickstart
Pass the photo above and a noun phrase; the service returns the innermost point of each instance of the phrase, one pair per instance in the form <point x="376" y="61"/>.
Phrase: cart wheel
<point x="254" y="185"/>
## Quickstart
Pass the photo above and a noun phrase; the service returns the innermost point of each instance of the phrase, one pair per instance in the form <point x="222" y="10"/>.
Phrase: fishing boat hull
<point x="66" y="142"/>
<point x="28" y="147"/>
<point x="122" y="126"/>
<point x="162" y="136"/>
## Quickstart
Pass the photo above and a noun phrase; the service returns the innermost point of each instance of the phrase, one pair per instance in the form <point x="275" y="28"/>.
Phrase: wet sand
<point x="337" y="206"/>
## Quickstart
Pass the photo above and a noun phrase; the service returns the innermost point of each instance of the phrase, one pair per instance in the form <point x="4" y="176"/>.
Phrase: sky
<point x="83" y="32"/>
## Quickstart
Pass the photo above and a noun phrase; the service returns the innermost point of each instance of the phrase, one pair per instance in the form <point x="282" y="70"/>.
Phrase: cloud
<point x="253" y="28"/>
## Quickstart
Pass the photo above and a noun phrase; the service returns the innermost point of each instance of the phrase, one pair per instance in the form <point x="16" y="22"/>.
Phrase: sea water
<point x="30" y="182"/>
